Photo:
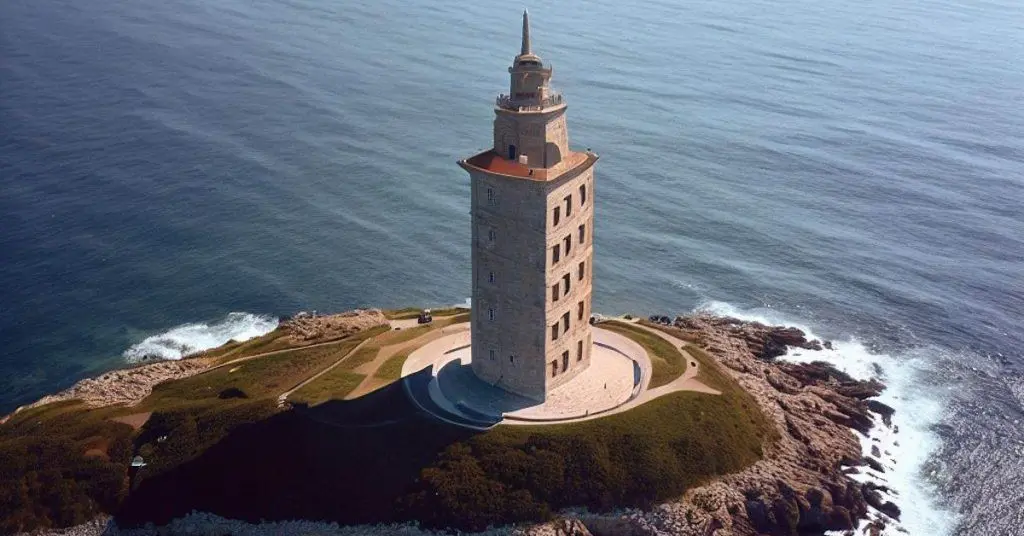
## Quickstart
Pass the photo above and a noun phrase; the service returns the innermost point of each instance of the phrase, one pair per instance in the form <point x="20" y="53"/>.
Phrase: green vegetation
<point x="217" y="442"/>
<point x="404" y="335"/>
<point x="60" y="465"/>
<point x="711" y="373"/>
<point x="361" y="357"/>
<point x="413" y="312"/>
<point x="652" y="453"/>
<point x="667" y="362"/>
<point x="336" y="385"/>
<point x="392" y="368"/>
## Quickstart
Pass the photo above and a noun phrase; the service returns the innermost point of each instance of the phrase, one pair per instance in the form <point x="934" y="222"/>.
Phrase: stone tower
<point x="533" y="220"/>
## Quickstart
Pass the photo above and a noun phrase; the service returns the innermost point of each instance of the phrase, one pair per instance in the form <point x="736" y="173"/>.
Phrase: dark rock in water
<point x="827" y="344"/>
<point x="875" y="452"/>
<point x="874" y="499"/>
<point x="881" y="409"/>
<point x="874" y="464"/>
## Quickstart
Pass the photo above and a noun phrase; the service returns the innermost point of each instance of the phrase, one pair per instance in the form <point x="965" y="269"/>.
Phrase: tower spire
<point x="526" y="33"/>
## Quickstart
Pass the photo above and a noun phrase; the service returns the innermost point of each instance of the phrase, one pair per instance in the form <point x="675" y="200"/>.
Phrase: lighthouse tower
<point x="533" y="221"/>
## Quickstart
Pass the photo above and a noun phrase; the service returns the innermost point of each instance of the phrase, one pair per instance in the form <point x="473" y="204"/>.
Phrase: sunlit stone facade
<point x="533" y="221"/>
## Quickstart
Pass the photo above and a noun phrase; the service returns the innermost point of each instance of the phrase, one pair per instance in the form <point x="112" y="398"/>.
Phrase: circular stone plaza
<point x="438" y="377"/>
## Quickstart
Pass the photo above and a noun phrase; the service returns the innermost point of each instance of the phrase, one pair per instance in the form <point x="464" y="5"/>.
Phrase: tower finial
<point x="526" y="33"/>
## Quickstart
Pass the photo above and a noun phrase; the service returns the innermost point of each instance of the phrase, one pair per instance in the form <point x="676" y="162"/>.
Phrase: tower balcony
<point x="507" y="102"/>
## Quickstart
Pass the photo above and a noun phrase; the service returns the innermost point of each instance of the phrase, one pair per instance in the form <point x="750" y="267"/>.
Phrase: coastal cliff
<point x="802" y="485"/>
<point x="798" y="483"/>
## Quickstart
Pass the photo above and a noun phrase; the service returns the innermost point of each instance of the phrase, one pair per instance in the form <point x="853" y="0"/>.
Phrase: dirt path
<point x="284" y="396"/>
<point x="370" y="382"/>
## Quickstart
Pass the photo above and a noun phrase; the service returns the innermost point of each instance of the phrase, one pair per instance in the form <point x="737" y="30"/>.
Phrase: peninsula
<point x="315" y="421"/>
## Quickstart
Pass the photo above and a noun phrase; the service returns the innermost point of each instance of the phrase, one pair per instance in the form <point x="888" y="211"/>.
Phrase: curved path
<point x="453" y="349"/>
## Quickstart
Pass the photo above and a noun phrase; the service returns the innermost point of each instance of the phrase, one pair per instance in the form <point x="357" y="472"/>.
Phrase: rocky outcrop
<point x="305" y="328"/>
<point x="129" y="386"/>
<point x="800" y="486"/>
<point x="763" y="341"/>
<point x="126" y="386"/>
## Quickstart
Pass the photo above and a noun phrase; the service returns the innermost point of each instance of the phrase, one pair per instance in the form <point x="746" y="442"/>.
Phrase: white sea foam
<point x="187" y="339"/>
<point x="918" y="404"/>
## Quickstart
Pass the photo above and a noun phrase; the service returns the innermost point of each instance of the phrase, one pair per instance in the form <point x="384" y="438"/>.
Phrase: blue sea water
<point x="853" y="167"/>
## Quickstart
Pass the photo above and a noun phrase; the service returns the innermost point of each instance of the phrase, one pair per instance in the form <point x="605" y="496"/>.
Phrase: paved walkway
<point x="439" y="353"/>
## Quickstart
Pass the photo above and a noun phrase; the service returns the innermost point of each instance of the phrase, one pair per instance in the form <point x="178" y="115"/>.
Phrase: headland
<point x="321" y="420"/>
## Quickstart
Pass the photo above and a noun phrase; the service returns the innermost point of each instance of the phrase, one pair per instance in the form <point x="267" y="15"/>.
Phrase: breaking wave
<point x="905" y="448"/>
<point x="188" y="339"/>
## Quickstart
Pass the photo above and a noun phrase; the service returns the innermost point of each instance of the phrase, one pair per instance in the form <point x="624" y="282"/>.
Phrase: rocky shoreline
<point x="129" y="386"/>
<point x="802" y="485"/>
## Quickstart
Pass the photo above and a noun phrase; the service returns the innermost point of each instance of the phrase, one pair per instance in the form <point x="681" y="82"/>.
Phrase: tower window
<point x="583" y="194"/>
<point x="565" y="282"/>
<point x="554" y="292"/>
<point x="491" y="354"/>
<point x="579" y="311"/>
<point x="490" y="314"/>
<point x="568" y="205"/>
<point x="511" y="359"/>
<point x="565" y="360"/>
<point x="554" y="331"/>
<point x="554" y="369"/>
<point x="565" y="323"/>
<point x="492" y="235"/>
<point x="556" y="216"/>
<point x="568" y="244"/>
<point x="580" y="269"/>
<point x="556" y="253"/>
<point x="490" y="197"/>
<point x="490" y="277"/>
<point x="583" y="233"/>
<point x="579" y="351"/>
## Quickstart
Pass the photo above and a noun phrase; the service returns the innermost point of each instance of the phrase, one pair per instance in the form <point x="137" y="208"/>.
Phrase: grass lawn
<point x="667" y="362"/>
<point x="403" y="335"/>
<point x="362" y="356"/>
<point x="711" y="373"/>
<point x="336" y="384"/>
<point x="392" y="368"/>
<point x="413" y="312"/>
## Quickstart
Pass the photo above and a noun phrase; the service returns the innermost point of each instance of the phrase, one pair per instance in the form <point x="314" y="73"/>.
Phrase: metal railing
<point x="508" y="103"/>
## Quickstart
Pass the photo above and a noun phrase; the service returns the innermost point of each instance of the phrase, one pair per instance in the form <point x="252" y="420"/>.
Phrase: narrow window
<point x="579" y="311"/>
<point x="491" y="352"/>
<point x="568" y="205"/>
<point x="490" y="314"/>
<point x="492" y="235"/>
<point x="556" y="253"/>
<point x="554" y="292"/>
<point x="583" y="194"/>
<point x="583" y="233"/>
<point x="554" y="369"/>
<point x="490" y="276"/>
<point x="565" y="360"/>
<point x="565" y="280"/>
<point x="568" y="244"/>
<point x="565" y="323"/>
<point x="580" y="270"/>
<point x="558" y="215"/>
<point x="490" y="197"/>
<point x="554" y="331"/>
<point x="579" y="350"/>
<point x="511" y="359"/>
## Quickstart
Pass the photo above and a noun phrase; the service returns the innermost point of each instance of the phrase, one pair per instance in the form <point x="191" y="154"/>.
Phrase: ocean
<point x="176" y="174"/>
